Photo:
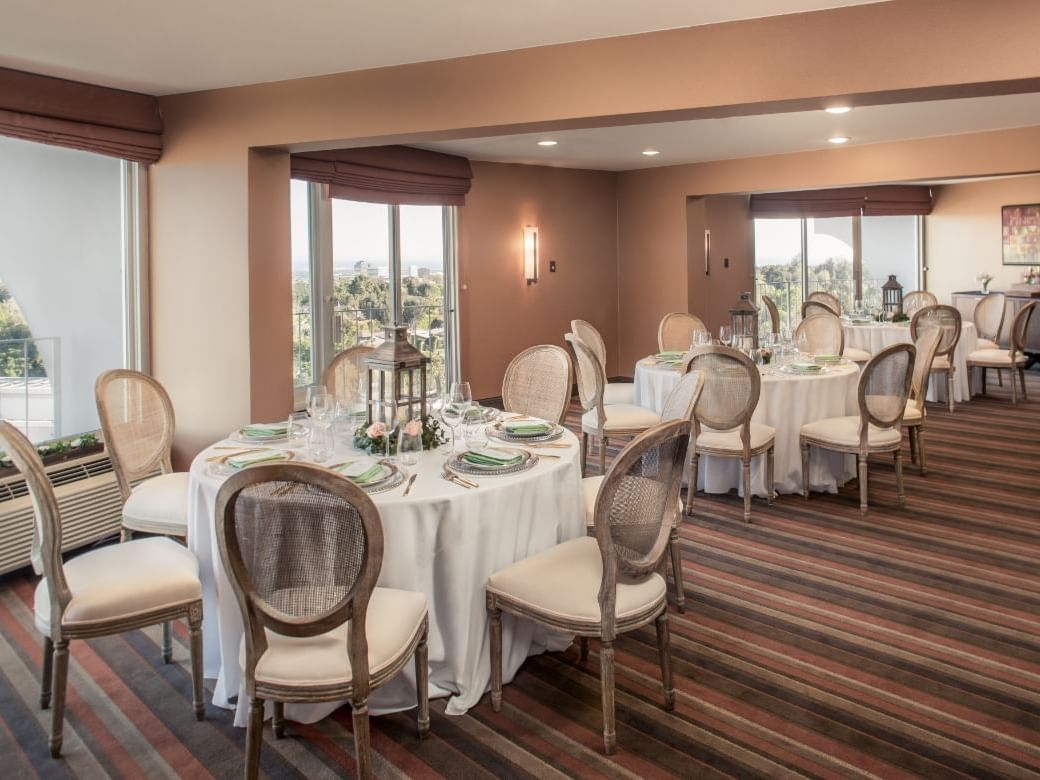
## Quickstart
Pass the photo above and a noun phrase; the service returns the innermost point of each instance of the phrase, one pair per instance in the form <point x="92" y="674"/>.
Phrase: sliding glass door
<point x="363" y="266"/>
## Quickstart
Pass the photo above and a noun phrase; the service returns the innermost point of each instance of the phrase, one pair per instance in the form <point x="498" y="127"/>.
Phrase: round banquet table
<point x="874" y="337"/>
<point x="787" y="402"/>
<point x="443" y="540"/>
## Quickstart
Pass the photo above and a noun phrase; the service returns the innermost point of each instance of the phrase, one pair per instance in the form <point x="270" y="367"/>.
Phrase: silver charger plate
<point x="378" y="485"/>
<point x="221" y="469"/>
<point x="802" y="372"/>
<point x="498" y="432"/>
<point x="457" y="464"/>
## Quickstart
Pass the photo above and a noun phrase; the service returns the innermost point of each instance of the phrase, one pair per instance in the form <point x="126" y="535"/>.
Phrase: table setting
<point x="462" y="491"/>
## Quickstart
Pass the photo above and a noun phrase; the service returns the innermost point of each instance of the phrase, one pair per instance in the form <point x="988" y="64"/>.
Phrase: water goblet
<point x="475" y="430"/>
<point x="320" y="444"/>
<point x="297" y="430"/>
<point x="725" y="335"/>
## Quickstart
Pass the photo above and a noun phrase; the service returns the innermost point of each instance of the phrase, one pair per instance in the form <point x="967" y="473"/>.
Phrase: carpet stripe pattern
<point x="816" y="642"/>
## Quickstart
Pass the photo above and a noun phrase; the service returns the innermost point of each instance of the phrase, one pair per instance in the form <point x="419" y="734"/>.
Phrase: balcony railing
<point x="30" y="390"/>
<point x="788" y="296"/>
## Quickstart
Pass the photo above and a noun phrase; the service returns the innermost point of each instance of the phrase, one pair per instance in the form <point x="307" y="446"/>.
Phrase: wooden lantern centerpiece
<point x="892" y="296"/>
<point x="396" y="378"/>
<point x="744" y="321"/>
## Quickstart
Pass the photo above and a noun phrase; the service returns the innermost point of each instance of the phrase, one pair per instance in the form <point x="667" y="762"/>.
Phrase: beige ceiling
<point x="189" y="45"/>
<point x="702" y="140"/>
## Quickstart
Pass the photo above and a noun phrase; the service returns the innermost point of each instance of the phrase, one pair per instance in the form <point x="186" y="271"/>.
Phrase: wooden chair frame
<point x="256" y="617"/>
<point x="512" y="400"/>
<point x="926" y="344"/>
<point x="47" y="539"/>
<point x="742" y="419"/>
<point x="830" y="300"/>
<point x="862" y="449"/>
<point x="774" y="314"/>
<point x="942" y="350"/>
<point x="682" y="321"/>
<point x="1016" y="353"/>
<point x="977" y="316"/>
<point x="809" y="319"/>
<point x="614" y="566"/>
<point x="912" y="298"/>
<point x="355" y="355"/>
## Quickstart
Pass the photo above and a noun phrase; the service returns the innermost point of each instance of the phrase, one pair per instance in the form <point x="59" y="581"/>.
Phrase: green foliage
<point x="16" y="359"/>
<point x="432" y="437"/>
<point x="57" y="447"/>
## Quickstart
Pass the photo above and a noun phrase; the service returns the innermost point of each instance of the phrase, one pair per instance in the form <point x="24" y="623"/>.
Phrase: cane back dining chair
<point x="917" y="299"/>
<point x="820" y="334"/>
<point x="302" y="547"/>
<point x="774" y="314"/>
<point x="722" y="425"/>
<point x="609" y="584"/>
<point x="884" y="386"/>
<point x="913" y="418"/>
<point x="105" y="591"/>
<point x="811" y="307"/>
<point x="613" y="392"/>
<point x="600" y="420"/>
<point x="1007" y="359"/>
<point x="676" y="331"/>
<point x="343" y="378"/>
<point x="538" y="383"/>
<point x="138" y="424"/>
<point x="988" y="317"/>
<point x="948" y="320"/>
<point x="679" y="405"/>
<point x="828" y="299"/>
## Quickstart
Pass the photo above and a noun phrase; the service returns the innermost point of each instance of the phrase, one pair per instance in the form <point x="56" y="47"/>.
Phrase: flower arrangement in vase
<point x="372" y="438"/>
<point x="984" y="279"/>
<point x="1031" y="275"/>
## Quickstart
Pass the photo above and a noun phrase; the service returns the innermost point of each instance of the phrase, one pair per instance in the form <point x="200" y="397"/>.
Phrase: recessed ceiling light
<point x="650" y="152"/>
<point x="839" y="139"/>
<point x="547" y="142"/>
<point x="838" y="109"/>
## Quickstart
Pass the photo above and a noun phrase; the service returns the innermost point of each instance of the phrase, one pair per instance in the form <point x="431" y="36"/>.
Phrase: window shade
<point x="397" y="175"/>
<point x="80" y="116"/>
<point x="843" y="202"/>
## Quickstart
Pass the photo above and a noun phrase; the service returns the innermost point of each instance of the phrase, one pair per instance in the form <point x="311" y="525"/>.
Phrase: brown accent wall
<point x="963" y="233"/>
<point x="499" y="313"/>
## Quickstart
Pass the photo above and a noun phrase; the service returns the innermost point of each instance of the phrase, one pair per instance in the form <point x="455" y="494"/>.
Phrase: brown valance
<point x="80" y="116"/>
<point x="387" y="174"/>
<point x="843" y="202"/>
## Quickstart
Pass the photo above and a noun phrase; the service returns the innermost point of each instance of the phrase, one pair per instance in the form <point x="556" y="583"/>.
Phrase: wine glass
<point x="725" y="335"/>
<point x="701" y="338"/>
<point x="320" y="404"/>
<point x="456" y="404"/>
<point x="320" y="443"/>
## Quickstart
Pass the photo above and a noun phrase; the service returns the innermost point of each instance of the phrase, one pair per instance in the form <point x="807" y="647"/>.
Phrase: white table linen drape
<point x="442" y="540"/>
<point x="786" y="403"/>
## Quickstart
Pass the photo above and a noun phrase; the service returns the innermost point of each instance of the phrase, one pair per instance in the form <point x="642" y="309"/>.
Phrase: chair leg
<point x="911" y="434"/>
<point x="167" y="642"/>
<point x="254" y="737"/>
<point x="1014" y="388"/>
<point x="362" y="738"/>
<point x="606" y="680"/>
<point x="949" y="388"/>
<point x="495" y="632"/>
<point x="747" y="490"/>
<point x="862" y="482"/>
<point x="984" y="379"/>
<point x="680" y="591"/>
<point x="583" y="649"/>
<point x="584" y="451"/>
<point x="920" y="450"/>
<point x="664" y="649"/>
<point x="603" y="441"/>
<point x="47" y="674"/>
<point x="898" y="456"/>
<point x="422" y="683"/>
<point x="692" y="489"/>
<point x="1000" y="378"/>
<point x="770" y="476"/>
<point x="278" y="719"/>
<point x="1022" y="378"/>
<point x="61" y="676"/>
<point x="805" y="470"/>
<point x="195" y="643"/>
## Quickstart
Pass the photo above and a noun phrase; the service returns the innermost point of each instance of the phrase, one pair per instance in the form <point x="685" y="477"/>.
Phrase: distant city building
<point x="414" y="270"/>
<point x="361" y="268"/>
<point x="424" y="273"/>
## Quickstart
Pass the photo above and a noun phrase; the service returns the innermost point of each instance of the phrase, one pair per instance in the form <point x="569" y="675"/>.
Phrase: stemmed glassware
<point x="701" y="338"/>
<point x="321" y="408"/>
<point x="725" y="335"/>
<point x="454" y="407"/>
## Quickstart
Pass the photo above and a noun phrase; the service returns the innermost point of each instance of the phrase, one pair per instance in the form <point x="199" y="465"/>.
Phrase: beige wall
<point x="218" y="211"/>
<point x="963" y="233"/>
<point x="499" y="313"/>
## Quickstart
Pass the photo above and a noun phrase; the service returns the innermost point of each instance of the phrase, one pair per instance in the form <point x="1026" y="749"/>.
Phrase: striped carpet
<point x="816" y="642"/>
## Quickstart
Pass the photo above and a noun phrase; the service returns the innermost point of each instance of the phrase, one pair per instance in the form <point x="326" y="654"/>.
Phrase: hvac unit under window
<point x="88" y="497"/>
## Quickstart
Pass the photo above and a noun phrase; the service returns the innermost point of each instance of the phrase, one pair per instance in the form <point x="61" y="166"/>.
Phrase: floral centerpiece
<point x="1031" y="276"/>
<point x="372" y="438"/>
<point x="984" y="279"/>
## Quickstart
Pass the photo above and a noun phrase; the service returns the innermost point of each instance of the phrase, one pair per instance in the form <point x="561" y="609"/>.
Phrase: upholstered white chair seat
<point x="622" y="417"/>
<point x="730" y="440"/>
<point x="982" y="343"/>
<point x="998" y="358"/>
<point x="844" y="431"/>
<point x="941" y="363"/>
<point x="159" y="505"/>
<point x="856" y="355"/>
<point x="123" y="580"/>
<point x="563" y="583"/>
<point x="394" y="622"/>
<point x="913" y="413"/>
<point x="619" y="393"/>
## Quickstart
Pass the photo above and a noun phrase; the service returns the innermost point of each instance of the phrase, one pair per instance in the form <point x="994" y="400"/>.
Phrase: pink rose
<point x="413" y="428"/>
<point x="375" y="430"/>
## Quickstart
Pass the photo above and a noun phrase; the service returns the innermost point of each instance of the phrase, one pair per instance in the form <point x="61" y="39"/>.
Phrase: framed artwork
<point x="1021" y="230"/>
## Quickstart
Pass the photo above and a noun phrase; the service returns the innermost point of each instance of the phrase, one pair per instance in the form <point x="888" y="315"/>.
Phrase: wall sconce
<point x="530" y="253"/>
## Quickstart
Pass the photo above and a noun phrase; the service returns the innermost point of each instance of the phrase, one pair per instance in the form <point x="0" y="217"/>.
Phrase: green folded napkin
<point x="265" y="430"/>
<point x="807" y="367"/>
<point x="527" y="427"/>
<point x="828" y="358"/>
<point x="361" y="471"/>
<point x="251" y="459"/>
<point x="492" y="457"/>
<point x="670" y="355"/>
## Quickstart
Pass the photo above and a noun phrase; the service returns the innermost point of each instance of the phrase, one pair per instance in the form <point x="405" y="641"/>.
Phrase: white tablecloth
<point x="787" y="402"/>
<point x="875" y="337"/>
<point x="443" y="540"/>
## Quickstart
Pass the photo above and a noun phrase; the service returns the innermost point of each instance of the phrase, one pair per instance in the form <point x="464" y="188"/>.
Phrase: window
<point x="850" y="257"/>
<point x="71" y="283"/>
<point x="368" y="265"/>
